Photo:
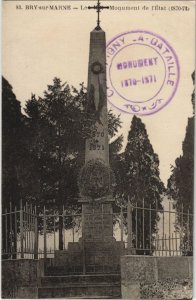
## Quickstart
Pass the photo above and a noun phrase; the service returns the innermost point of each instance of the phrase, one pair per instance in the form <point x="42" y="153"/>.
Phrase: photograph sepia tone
<point x="98" y="106"/>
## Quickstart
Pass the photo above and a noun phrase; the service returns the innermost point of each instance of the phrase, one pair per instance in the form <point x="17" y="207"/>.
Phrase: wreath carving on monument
<point x="96" y="179"/>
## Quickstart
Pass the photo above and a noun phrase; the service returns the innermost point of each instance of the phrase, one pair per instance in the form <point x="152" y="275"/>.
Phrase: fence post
<point x="45" y="245"/>
<point x="63" y="228"/>
<point x="182" y="229"/>
<point x="136" y="231"/>
<point x="83" y="245"/>
<point x="121" y="225"/>
<point x="169" y="229"/>
<point x="21" y="231"/>
<point x="129" y="224"/>
<point x="6" y="233"/>
<point x="188" y="232"/>
<point x="36" y="235"/>
<point x="11" y="233"/>
<point x="143" y="228"/>
<point x="163" y="234"/>
<point x="15" y="233"/>
<point x="150" y="228"/>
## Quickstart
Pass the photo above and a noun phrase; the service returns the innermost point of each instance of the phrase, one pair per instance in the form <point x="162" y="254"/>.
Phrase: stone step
<point x="90" y="291"/>
<point x="80" y="279"/>
<point x="59" y="270"/>
<point x="98" y="297"/>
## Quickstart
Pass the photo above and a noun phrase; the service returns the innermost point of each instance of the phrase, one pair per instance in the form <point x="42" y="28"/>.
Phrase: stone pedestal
<point x="102" y="251"/>
<point x="97" y="250"/>
<point x="97" y="221"/>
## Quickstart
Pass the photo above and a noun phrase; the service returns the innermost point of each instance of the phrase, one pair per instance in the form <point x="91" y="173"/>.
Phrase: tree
<point x="138" y="179"/>
<point x="181" y="181"/>
<point x="57" y="122"/>
<point x="11" y="141"/>
<point x="16" y="160"/>
<point x="44" y="150"/>
<point x="14" y="154"/>
<point x="58" y="126"/>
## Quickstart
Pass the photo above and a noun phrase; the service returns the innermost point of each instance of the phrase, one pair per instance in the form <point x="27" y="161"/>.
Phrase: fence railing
<point x="141" y="230"/>
<point x="154" y="231"/>
<point x="20" y="232"/>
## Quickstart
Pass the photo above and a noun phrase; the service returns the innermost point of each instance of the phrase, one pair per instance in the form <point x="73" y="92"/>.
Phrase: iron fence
<point x="157" y="231"/>
<point x="141" y="230"/>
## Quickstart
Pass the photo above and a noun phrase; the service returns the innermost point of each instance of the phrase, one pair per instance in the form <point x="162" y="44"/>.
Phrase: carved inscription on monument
<point x="97" y="141"/>
<point x="97" y="222"/>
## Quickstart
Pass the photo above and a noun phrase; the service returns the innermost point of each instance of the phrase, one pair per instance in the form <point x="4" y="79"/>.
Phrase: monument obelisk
<point x="96" y="179"/>
<point x="97" y="146"/>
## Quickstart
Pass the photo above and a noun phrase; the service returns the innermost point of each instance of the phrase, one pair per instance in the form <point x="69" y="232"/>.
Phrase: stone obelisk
<point x="96" y="179"/>
<point x="97" y="146"/>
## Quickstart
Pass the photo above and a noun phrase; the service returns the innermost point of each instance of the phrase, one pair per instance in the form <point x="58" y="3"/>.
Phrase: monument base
<point x="97" y="251"/>
<point x="95" y="258"/>
<point x="102" y="251"/>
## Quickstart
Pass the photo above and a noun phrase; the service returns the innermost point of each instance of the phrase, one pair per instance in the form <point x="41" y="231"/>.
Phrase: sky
<point x="40" y="44"/>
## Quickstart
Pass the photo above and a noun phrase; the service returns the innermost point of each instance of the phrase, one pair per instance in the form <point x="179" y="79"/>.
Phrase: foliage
<point x="137" y="176"/>
<point x="140" y="165"/>
<point x="181" y="181"/>
<point x="114" y="124"/>
<point x="59" y="125"/>
<point x="44" y="150"/>
<point x="14" y="156"/>
<point x="13" y="146"/>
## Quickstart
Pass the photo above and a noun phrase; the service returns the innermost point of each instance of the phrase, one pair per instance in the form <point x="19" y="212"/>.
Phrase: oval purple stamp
<point x="143" y="72"/>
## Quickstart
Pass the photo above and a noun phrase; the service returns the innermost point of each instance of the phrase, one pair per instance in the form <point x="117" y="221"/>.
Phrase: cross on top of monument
<point x="98" y="7"/>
